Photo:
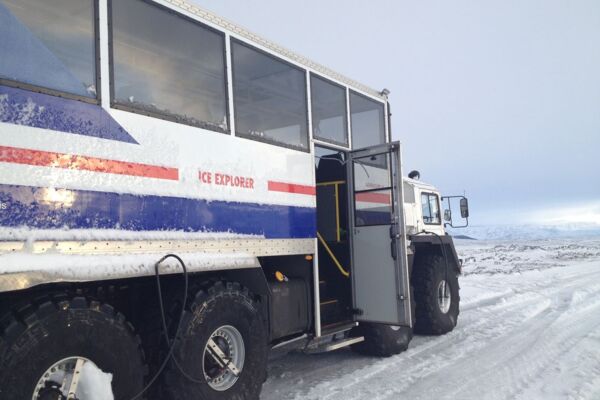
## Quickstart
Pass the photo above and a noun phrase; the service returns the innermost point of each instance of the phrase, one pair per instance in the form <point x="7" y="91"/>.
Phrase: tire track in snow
<point x="494" y="342"/>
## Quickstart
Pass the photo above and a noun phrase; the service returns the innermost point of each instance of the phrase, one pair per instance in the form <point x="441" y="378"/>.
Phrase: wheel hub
<point x="60" y="381"/>
<point x="444" y="296"/>
<point x="51" y="392"/>
<point x="223" y="358"/>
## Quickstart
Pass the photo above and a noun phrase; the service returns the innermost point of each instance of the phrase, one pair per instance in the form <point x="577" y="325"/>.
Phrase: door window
<point x="372" y="191"/>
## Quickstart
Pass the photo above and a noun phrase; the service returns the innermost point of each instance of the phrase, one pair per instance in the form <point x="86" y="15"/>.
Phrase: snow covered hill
<point x="529" y="329"/>
<point x="529" y="231"/>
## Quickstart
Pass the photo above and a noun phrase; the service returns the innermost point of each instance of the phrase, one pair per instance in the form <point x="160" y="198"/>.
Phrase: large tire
<point x="43" y="336"/>
<point x="219" y="308"/>
<point x="382" y="340"/>
<point x="435" y="314"/>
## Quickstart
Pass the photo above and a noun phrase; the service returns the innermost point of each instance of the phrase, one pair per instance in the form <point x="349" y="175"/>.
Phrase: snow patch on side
<point x="89" y="266"/>
<point x="24" y="270"/>
<point x="83" y="235"/>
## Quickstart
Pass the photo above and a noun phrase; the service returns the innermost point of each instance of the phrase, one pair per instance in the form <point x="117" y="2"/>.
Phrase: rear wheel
<point x="382" y="340"/>
<point x="56" y="348"/>
<point x="436" y="295"/>
<point x="222" y="348"/>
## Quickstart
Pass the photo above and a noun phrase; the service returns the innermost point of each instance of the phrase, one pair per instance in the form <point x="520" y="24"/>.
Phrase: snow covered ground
<point x="529" y="329"/>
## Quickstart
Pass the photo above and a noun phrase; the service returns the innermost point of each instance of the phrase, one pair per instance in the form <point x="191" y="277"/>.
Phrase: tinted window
<point x="167" y="65"/>
<point x="49" y="43"/>
<point x="269" y="98"/>
<point x="328" y="111"/>
<point x="367" y="119"/>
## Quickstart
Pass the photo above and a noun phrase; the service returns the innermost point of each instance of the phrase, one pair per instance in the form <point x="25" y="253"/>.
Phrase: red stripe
<point x="83" y="163"/>
<point x="291" y="188"/>
<point x="380" y="198"/>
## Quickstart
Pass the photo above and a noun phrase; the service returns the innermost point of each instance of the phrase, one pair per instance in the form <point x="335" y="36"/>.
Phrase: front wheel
<point x="436" y="295"/>
<point x="221" y="353"/>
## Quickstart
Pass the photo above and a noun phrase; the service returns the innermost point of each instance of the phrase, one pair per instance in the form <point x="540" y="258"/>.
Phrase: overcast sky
<point x="498" y="98"/>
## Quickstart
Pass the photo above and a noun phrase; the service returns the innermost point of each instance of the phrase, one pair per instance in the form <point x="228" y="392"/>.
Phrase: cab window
<point x="431" y="209"/>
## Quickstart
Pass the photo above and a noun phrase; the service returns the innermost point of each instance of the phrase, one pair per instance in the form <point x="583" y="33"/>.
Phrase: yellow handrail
<point x="335" y="260"/>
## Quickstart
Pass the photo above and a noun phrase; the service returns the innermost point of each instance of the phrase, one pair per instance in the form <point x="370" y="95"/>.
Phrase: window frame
<point x="437" y="197"/>
<point x="159" y="115"/>
<point x="66" y="95"/>
<point x="232" y="41"/>
<point x="346" y="111"/>
<point x="382" y="103"/>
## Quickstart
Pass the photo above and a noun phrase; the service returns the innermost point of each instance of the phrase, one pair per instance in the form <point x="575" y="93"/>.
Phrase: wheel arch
<point x="424" y="245"/>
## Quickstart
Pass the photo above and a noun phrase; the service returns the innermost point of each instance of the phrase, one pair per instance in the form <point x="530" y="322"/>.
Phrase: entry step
<point x="335" y="344"/>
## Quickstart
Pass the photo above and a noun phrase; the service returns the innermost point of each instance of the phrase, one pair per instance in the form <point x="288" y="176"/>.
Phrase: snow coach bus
<point x="179" y="197"/>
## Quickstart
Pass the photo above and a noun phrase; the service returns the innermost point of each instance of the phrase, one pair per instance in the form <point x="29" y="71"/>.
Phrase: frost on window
<point x="367" y="121"/>
<point x="49" y="44"/>
<point x="167" y="65"/>
<point x="269" y="98"/>
<point x="328" y="111"/>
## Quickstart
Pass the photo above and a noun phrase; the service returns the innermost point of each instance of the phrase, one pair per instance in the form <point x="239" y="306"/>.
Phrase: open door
<point x="380" y="280"/>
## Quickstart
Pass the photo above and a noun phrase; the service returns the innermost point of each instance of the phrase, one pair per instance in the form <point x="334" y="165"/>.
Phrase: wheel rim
<point x="223" y="358"/>
<point x="444" y="297"/>
<point x="60" y="381"/>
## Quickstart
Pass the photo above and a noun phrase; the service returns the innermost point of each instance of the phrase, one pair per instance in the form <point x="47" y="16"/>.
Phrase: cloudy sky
<point x="499" y="98"/>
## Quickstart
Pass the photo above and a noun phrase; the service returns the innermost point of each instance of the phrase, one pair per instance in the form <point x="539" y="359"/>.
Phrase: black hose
<point x="170" y="343"/>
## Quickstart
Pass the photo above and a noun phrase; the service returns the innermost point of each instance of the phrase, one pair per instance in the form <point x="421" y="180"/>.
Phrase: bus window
<point x="329" y="119"/>
<point x="168" y="66"/>
<point x="269" y="98"/>
<point x="367" y="121"/>
<point x="49" y="44"/>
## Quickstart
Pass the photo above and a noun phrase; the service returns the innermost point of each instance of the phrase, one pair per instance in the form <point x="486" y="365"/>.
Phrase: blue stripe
<point x="40" y="110"/>
<point x="33" y="207"/>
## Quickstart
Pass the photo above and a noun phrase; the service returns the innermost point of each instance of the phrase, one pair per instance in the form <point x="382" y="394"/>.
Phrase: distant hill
<point x="530" y="231"/>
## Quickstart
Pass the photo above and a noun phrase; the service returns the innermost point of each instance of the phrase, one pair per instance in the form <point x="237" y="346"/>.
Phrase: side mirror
<point x="464" y="208"/>
<point x="447" y="215"/>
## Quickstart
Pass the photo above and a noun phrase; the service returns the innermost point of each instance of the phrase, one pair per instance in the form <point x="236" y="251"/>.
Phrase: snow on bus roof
<point x="257" y="39"/>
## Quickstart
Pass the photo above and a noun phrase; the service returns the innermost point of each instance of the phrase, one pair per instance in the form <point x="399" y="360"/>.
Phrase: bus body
<point x="133" y="129"/>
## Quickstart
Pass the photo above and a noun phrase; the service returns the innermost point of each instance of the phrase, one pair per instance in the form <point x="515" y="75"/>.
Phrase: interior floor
<point x="334" y="249"/>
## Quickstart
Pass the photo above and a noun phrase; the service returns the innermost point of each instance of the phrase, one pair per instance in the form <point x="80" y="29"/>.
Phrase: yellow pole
<point x="335" y="260"/>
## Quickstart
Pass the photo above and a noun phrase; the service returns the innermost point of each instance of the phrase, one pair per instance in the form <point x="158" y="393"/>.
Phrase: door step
<point x="323" y="347"/>
<point x="329" y="302"/>
<point x="337" y="327"/>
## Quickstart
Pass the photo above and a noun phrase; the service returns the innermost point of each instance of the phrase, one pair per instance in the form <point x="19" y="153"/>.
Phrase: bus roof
<point x="257" y="39"/>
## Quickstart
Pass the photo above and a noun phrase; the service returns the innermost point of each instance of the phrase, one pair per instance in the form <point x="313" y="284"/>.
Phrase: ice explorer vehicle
<point x="178" y="196"/>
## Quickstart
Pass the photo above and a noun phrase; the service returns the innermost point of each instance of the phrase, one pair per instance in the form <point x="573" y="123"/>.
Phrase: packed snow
<point x="529" y="328"/>
<point x="94" y="384"/>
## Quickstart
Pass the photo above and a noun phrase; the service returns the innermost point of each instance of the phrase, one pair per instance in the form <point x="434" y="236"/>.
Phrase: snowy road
<point x="529" y="329"/>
